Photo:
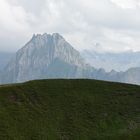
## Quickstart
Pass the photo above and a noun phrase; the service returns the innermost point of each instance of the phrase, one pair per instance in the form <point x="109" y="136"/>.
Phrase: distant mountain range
<point x="112" y="61"/>
<point x="51" y="57"/>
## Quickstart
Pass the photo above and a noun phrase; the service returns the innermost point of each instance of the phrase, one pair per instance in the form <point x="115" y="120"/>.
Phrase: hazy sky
<point x="103" y="25"/>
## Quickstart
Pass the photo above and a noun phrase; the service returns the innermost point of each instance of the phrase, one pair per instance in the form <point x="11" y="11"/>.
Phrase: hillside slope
<point x="69" y="110"/>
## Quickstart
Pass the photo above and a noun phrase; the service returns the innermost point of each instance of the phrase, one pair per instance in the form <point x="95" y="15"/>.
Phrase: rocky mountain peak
<point x="42" y="51"/>
<point x="45" y="36"/>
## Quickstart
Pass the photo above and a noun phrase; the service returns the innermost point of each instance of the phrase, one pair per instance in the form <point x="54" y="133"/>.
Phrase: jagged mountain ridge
<point x="128" y="63"/>
<point x="121" y="61"/>
<point x="41" y="57"/>
<point x="51" y="57"/>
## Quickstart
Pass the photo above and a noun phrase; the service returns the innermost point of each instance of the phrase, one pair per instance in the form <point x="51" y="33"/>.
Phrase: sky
<point x="100" y="25"/>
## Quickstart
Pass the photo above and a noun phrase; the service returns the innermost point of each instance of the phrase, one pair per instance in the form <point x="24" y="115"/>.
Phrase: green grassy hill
<point x="70" y="110"/>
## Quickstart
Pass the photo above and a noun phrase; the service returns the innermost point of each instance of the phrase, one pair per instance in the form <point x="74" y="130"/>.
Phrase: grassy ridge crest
<point x="69" y="110"/>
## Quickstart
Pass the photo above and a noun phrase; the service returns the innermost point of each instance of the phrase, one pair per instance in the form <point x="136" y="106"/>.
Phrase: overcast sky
<point x="102" y="25"/>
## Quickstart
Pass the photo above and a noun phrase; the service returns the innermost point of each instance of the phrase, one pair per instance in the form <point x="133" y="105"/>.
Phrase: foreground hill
<point x="69" y="110"/>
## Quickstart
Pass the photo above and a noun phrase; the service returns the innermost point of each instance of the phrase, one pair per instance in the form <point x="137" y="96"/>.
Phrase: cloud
<point x="127" y="4"/>
<point x="115" y="24"/>
<point x="13" y="23"/>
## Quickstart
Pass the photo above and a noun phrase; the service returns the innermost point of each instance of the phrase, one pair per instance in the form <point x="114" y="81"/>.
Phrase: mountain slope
<point x="70" y="110"/>
<point x="5" y="58"/>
